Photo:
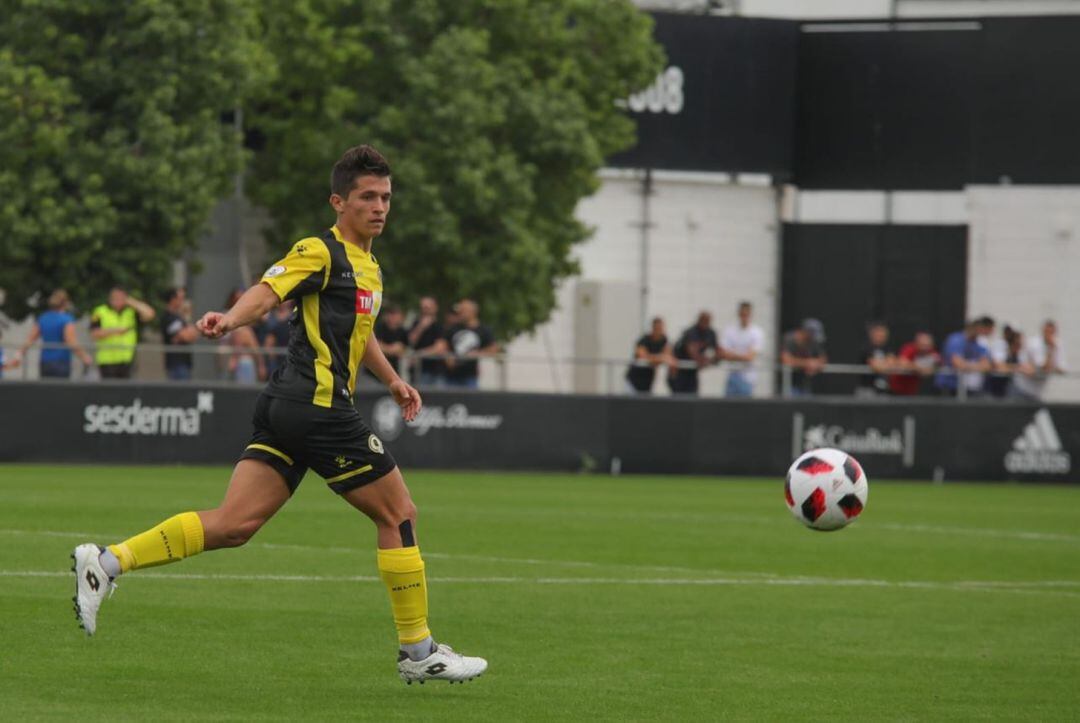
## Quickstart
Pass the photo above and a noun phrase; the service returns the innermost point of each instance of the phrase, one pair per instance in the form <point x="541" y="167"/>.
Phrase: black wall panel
<point x="738" y="98"/>
<point x="884" y="109"/>
<point x="913" y="277"/>
<point x="1028" y="108"/>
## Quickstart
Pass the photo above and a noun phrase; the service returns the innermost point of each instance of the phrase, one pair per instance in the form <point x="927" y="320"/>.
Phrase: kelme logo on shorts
<point x="375" y="443"/>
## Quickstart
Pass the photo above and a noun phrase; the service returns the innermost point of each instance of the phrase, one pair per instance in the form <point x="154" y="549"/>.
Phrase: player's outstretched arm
<point x="248" y="309"/>
<point x="404" y="394"/>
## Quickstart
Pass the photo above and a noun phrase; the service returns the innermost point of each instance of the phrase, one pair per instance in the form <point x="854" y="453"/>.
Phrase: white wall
<point x="711" y="244"/>
<point x="1024" y="263"/>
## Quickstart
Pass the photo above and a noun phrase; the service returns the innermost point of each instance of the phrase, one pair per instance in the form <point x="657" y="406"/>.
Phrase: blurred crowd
<point x="697" y="348"/>
<point x="972" y="362"/>
<point x="432" y="348"/>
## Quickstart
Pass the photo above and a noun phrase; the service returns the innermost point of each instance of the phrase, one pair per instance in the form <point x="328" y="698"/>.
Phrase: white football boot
<point x="92" y="585"/>
<point x="442" y="664"/>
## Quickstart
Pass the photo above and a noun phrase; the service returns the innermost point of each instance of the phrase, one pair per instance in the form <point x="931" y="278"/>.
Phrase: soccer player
<point x="305" y="418"/>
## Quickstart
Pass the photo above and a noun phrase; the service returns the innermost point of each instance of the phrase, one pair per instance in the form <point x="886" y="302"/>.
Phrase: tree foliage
<point x="495" y="116"/>
<point x="112" y="145"/>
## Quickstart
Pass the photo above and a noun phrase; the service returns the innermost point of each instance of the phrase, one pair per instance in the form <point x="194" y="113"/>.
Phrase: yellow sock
<point x="403" y="572"/>
<point x="174" y="539"/>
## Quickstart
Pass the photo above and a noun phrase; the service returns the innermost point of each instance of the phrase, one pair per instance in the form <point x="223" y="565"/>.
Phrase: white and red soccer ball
<point x="826" y="489"/>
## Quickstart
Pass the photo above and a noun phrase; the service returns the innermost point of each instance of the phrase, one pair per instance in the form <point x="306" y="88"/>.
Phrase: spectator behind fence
<point x="277" y="329"/>
<point x="178" y="331"/>
<point x="696" y="349"/>
<point x="12" y="363"/>
<point x="468" y="340"/>
<point x="742" y="342"/>
<point x="1004" y="362"/>
<point x="393" y="339"/>
<point x="244" y="360"/>
<point x="114" y="326"/>
<point x="650" y="351"/>
<point x="878" y="355"/>
<point x="56" y="327"/>
<point x="803" y="352"/>
<point x="1041" y="357"/>
<point x="920" y="360"/>
<point x="426" y="341"/>
<point x="964" y="361"/>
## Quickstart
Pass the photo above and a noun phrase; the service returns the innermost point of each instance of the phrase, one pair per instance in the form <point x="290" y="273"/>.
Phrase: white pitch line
<point x="981" y="532"/>
<point x="1046" y="587"/>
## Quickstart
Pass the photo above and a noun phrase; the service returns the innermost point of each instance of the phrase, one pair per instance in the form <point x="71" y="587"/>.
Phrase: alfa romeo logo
<point x="386" y="419"/>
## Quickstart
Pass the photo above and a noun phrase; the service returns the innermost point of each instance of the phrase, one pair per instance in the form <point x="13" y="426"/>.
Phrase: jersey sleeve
<point x="303" y="271"/>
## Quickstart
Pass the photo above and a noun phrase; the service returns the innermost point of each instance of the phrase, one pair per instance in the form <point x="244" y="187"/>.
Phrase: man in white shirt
<point x="1040" y="357"/>
<point x="742" y="343"/>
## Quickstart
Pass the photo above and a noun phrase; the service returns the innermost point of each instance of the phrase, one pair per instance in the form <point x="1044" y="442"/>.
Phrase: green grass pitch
<point x="632" y="598"/>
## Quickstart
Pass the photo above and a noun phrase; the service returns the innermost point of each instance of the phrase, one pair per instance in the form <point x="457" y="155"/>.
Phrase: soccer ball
<point x="825" y="489"/>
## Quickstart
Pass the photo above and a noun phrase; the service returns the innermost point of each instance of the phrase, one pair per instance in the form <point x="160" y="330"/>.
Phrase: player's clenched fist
<point x="211" y="325"/>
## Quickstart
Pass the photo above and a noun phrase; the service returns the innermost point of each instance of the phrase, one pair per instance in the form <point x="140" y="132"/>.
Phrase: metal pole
<point x="646" y="224"/>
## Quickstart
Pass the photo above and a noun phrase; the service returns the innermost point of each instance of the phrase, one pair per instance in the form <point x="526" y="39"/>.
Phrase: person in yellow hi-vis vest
<point x="114" y="327"/>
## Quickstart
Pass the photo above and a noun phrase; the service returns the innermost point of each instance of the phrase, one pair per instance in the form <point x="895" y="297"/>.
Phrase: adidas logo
<point x="1038" y="450"/>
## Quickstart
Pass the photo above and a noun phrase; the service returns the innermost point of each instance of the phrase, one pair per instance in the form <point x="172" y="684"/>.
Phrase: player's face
<point x="366" y="208"/>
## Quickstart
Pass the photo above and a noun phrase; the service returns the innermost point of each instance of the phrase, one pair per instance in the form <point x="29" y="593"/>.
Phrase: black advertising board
<point x="725" y="101"/>
<point x="916" y="439"/>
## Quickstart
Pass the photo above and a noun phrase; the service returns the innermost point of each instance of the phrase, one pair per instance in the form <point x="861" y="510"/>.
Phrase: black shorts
<point x="336" y="443"/>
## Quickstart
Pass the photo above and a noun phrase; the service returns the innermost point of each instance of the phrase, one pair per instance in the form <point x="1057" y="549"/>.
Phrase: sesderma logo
<point x="152" y="421"/>
<point x="1038" y="450"/>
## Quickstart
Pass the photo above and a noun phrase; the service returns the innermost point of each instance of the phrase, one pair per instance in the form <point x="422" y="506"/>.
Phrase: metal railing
<point x="501" y="371"/>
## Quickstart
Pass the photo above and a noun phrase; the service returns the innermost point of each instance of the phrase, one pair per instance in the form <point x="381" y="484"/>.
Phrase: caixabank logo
<point x="896" y="439"/>
<point x="1038" y="450"/>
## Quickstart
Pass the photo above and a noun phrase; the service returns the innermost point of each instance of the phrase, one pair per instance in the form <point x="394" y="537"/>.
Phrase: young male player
<point x="305" y="418"/>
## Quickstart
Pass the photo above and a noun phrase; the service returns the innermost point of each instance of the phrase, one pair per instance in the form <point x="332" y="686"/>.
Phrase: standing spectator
<point x="244" y="360"/>
<point x="964" y="361"/>
<point x="278" y="329"/>
<point x="1041" y="357"/>
<point x="177" y="330"/>
<point x="1004" y="362"/>
<point x="393" y="339"/>
<point x="426" y="340"/>
<point x="114" y="325"/>
<point x="56" y="327"/>
<point x="742" y="342"/>
<point x="803" y="352"/>
<point x="467" y="340"/>
<point x="650" y="351"/>
<point x="12" y="363"/>
<point x="919" y="359"/>
<point x="696" y="349"/>
<point x="996" y="381"/>
<point x="879" y="357"/>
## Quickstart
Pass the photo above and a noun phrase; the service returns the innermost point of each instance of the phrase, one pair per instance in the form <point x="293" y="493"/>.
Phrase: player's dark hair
<point x="745" y="305"/>
<point x="355" y="162"/>
<point x="170" y="294"/>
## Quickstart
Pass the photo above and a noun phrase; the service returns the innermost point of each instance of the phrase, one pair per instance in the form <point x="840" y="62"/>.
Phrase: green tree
<point x="495" y="116"/>
<point x="113" y="143"/>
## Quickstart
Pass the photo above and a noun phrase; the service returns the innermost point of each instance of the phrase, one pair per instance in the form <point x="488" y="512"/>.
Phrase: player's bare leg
<point x="388" y="503"/>
<point x="255" y="492"/>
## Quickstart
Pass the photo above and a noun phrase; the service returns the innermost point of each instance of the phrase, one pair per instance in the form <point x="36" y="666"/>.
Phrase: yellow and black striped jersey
<point x="338" y="288"/>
